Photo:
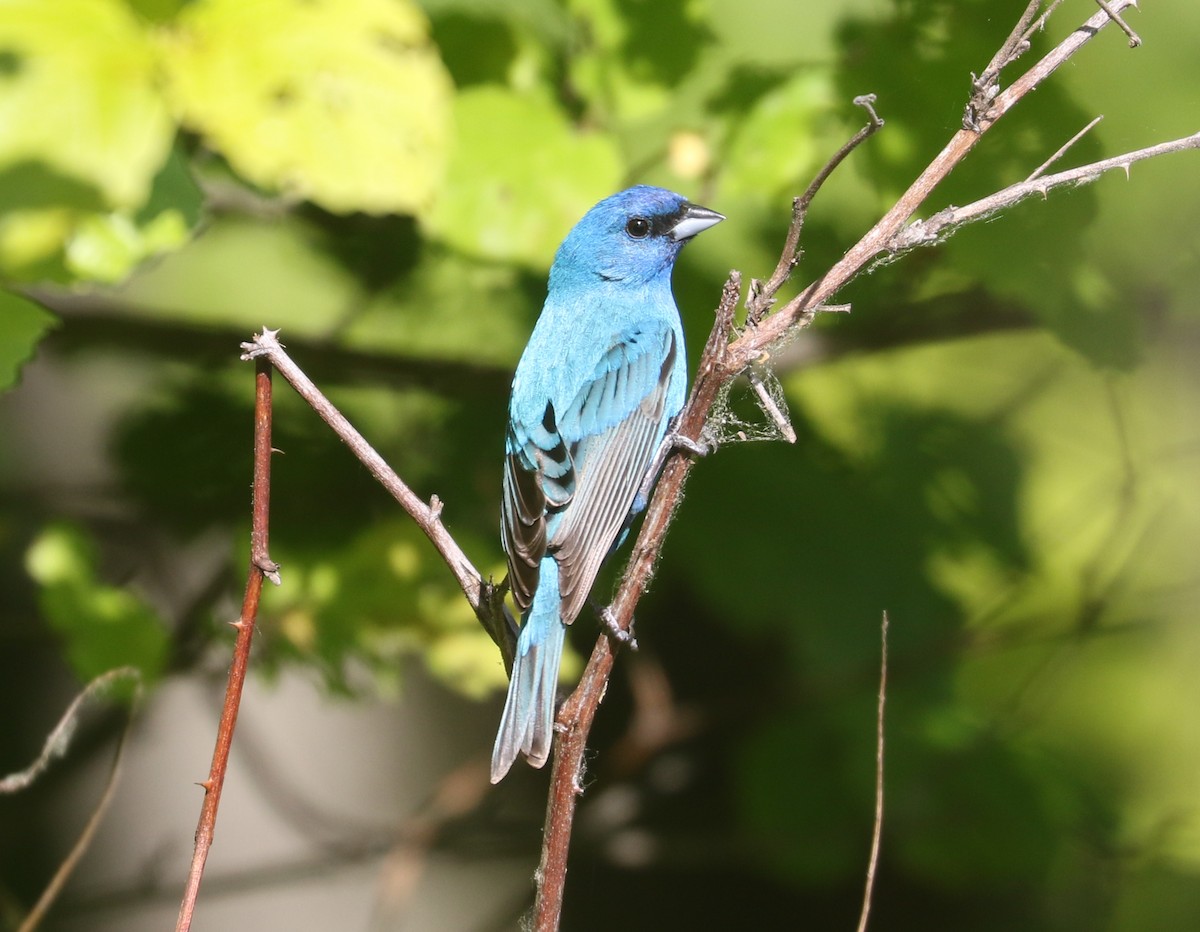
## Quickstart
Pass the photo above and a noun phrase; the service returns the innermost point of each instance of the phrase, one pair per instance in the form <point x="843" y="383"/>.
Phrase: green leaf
<point x="368" y="605"/>
<point x="105" y="247"/>
<point x="22" y="325"/>
<point x="78" y="96"/>
<point x="513" y="197"/>
<point x="344" y="103"/>
<point x="775" y="143"/>
<point x="244" y="272"/>
<point x="103" y="626"/>
<point x="450" y="308"/>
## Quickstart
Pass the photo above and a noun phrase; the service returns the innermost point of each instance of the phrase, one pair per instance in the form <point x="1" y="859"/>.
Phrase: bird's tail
<point x="527" y="725"/>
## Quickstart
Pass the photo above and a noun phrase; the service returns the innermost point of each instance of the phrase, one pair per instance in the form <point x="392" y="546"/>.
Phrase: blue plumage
<point x="596" y="387"/>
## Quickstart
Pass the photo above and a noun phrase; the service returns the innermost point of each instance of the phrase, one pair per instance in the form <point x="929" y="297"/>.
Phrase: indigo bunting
<point x="600" y="380"/>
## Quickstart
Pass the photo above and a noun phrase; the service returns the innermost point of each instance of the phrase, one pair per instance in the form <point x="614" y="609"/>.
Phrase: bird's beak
<point x="695" y="219"/>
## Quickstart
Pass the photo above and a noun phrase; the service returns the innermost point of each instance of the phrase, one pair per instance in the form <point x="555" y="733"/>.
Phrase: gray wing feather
<point x="610" y="467"/>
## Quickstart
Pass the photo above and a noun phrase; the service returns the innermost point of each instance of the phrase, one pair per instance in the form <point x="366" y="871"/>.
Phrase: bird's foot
<point x="615" y="631"/>
<point x="673" y="440"/>
<point x="694" y="447"/>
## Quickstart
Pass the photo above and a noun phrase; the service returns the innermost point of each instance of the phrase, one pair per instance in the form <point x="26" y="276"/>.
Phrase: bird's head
<point x="632" y="236"/>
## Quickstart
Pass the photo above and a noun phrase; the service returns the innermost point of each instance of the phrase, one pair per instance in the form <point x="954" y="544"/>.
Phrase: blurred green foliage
<point x="999" y="446"/>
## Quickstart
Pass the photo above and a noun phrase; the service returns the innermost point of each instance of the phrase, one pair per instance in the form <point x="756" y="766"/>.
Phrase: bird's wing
<point x="612" y="428"/>
<point x="538" y="474"/>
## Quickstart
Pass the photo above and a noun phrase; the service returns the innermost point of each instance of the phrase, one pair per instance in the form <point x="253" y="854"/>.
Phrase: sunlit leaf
<point x="79" y="94"/>
<point x="247" y="273"/>
<point x="105" y="247"/>
<point x="343" y="102"/>
<point x="520" y="177"/>
<point x="102" y="626"/>
<point x="368" y="605"/>
<point x="774" y="143"/>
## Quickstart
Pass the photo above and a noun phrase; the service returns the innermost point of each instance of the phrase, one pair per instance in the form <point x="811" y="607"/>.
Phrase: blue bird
<point x="599" y="382"/>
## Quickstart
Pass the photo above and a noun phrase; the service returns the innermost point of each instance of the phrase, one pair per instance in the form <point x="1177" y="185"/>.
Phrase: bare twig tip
<point x="1134" y="39"/>
<point x="867" y="102"/>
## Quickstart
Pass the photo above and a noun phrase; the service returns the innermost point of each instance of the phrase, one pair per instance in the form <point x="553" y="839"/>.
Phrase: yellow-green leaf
<point x="344" y="103"/>
<point x="520" y="177"/>
<point x="105" y="247"/>
<point x="78" y="95"/>
<point x="102" y="626"/>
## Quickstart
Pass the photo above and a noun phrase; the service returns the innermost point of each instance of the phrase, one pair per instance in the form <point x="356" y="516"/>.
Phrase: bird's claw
<point x="615" y="631"/>
<point x="694" y="447"/>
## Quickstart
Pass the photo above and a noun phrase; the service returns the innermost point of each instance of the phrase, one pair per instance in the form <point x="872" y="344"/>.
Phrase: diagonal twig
<point x="484" y="598"/>
<point x="55" y="746"/>
<point x="941" y="224"/>
<point x="1134" y="39"/>
<point x="762" y="295"/>
<point x="1064" y="148"/>
<point x="798" y="312"/>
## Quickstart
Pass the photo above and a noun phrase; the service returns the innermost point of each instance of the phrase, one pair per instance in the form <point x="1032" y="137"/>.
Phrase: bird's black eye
<point x="638" y="227"/>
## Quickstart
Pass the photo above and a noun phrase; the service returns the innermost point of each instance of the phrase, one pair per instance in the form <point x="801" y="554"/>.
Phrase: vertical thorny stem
<point x="261" y="567"/>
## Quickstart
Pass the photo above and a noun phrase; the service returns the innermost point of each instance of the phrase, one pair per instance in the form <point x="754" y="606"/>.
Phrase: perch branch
<point x="261" y="567"/>
<point x="576" y="716"/>
<point x="723" y="360"/>
<point x="762" y="295"/>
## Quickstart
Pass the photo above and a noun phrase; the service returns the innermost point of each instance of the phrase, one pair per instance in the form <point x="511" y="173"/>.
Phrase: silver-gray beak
<point x="696" y="219"/>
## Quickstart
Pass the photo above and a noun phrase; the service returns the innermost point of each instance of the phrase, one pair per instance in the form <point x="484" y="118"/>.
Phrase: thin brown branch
<point x="987" y="85"/>
<point x="261" y="567"/>
<point x="55" y="746"/>
<point x="1134" y="39"/>
<point x="762" y="295"/>
<point x="1016" y="44"/>
<point x="877" y="831"/>
<point x="799" y="311"/>
<point x="1064" y="149"/>
<point x="486" y="601"/>
<point x="938" y="227"/>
